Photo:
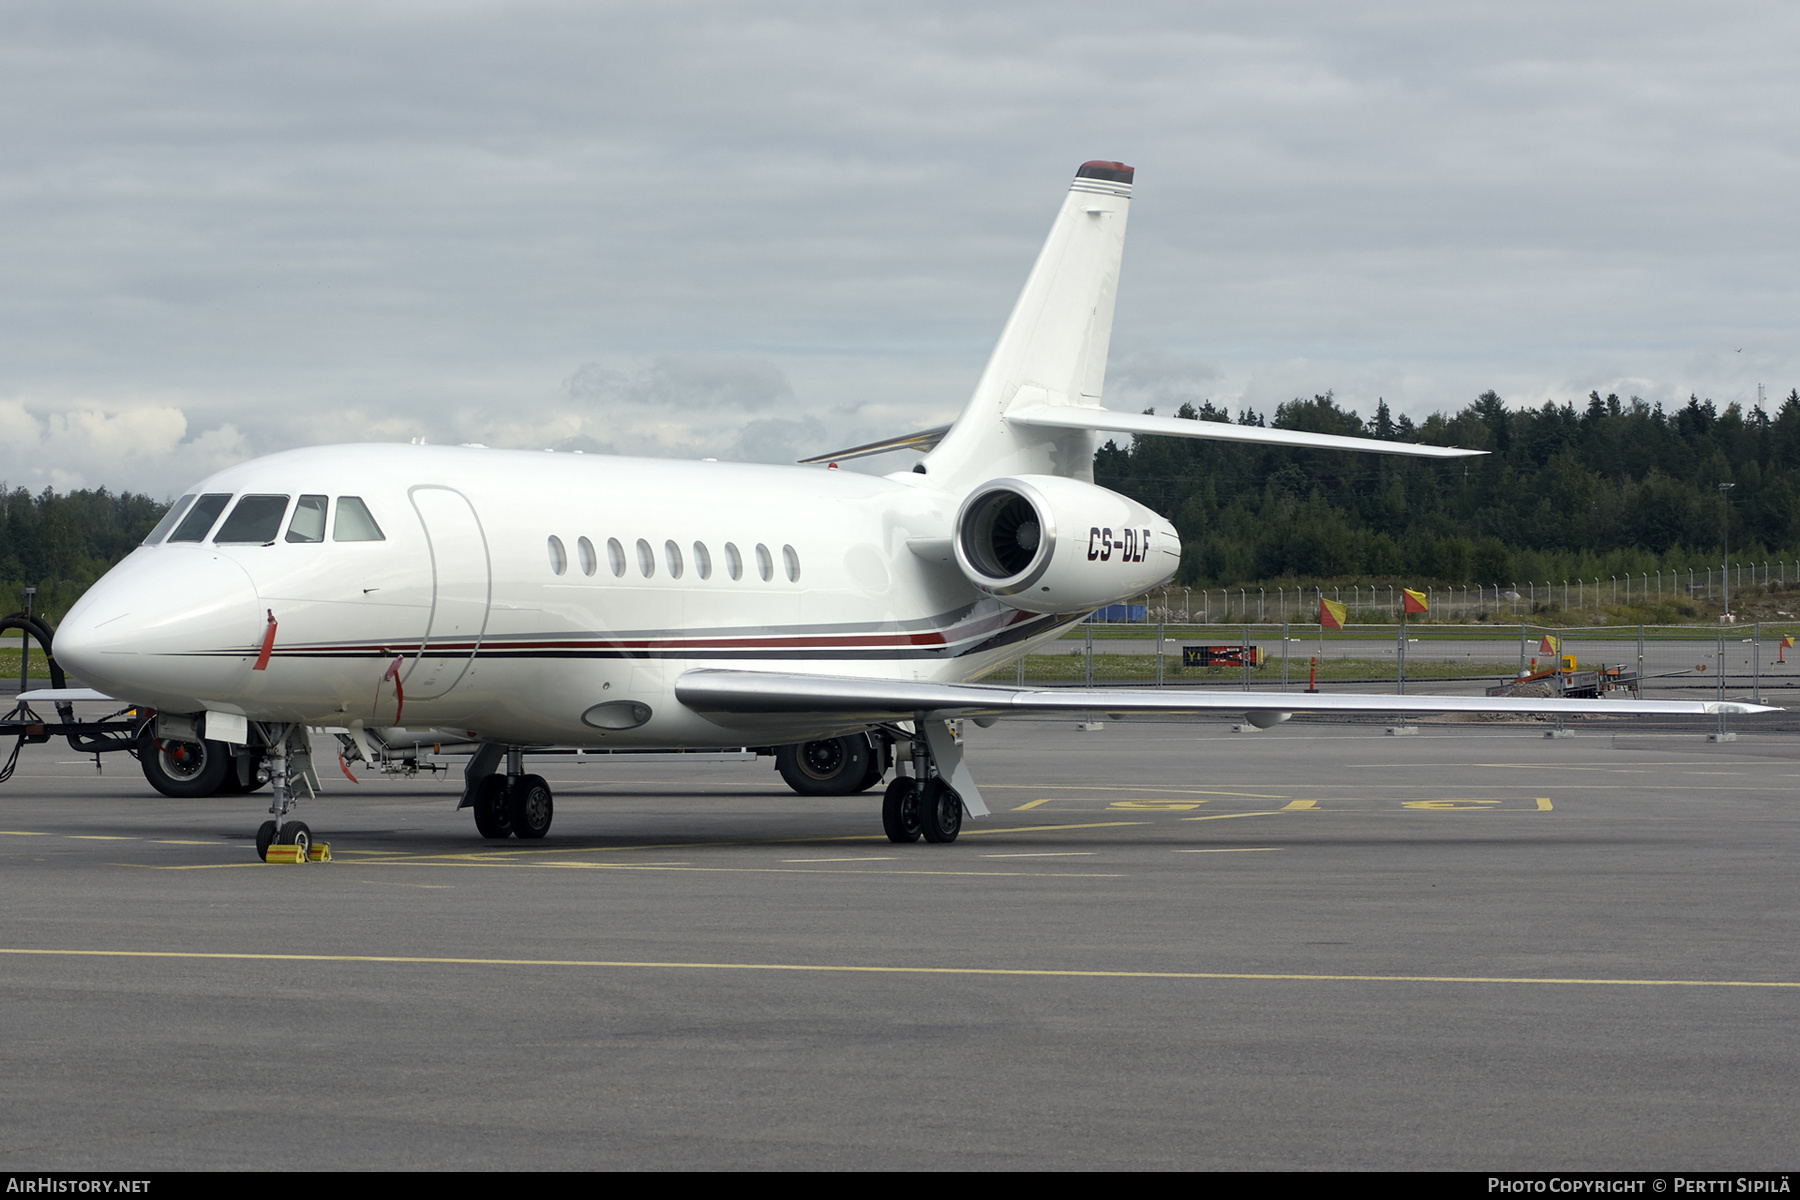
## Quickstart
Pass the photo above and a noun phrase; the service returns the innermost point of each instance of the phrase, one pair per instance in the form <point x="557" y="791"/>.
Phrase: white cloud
<point x="651" y="228"/>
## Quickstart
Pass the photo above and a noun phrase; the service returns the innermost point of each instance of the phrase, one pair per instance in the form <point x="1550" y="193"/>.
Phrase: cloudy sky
<point x="762" y="230"/>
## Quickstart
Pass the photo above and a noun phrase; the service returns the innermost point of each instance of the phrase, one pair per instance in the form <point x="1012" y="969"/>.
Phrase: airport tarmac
<point x="1171" y="946"/>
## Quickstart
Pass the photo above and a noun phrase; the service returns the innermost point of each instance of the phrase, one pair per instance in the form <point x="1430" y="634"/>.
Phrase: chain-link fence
<point x="1494" y="602"/>
<point x="1657" y="662"/>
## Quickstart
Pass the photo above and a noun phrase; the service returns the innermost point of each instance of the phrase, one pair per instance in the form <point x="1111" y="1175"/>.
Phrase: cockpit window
<point x="256" y="519"/>
<point x="199" y="520"/>
<point x="169" y="518"/>
<point x="354" y="524"/>
<point x="308" y="524"/>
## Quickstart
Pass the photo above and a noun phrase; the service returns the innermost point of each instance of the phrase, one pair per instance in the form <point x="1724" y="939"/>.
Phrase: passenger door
<point x="461" y="586"/>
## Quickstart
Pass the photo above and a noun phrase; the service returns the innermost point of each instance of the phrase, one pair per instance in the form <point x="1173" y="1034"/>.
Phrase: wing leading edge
<point x="760" y="693"/>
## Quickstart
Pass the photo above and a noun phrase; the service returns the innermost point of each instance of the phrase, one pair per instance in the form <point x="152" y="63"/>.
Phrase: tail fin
<point x="1052" y="352"/>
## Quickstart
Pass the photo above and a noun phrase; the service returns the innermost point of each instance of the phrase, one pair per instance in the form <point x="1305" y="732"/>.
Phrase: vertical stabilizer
<point x="1052" y="352"/>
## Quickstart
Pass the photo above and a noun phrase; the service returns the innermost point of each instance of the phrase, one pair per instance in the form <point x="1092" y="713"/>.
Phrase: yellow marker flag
<point x="1787" y="643"/>
<point x="1331" y="613"/>
<point x="1549" y="645"/>
<point x="1413" y="601"/>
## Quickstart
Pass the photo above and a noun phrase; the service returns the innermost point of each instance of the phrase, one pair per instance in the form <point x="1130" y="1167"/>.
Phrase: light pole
<point x="1725" y="540"/>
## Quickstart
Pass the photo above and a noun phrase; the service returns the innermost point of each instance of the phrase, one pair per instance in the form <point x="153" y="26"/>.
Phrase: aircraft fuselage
<point x="538" y="598"/>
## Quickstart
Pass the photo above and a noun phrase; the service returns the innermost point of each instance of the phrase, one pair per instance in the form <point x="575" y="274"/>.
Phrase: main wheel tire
<point x="295" y="833"/>
<point x="900" y="810"/>
<point x="184" y="770"/>
<point x="531" y="807"/>
<point x="265" y="837"/>
<point x="828" y="767"/>
<point x="491" y="817"/>
<point x="940" y="812"/>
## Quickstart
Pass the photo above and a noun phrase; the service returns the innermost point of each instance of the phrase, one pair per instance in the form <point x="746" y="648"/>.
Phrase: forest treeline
<point x="61" y="544"/>
<point x="1614" y="487"/>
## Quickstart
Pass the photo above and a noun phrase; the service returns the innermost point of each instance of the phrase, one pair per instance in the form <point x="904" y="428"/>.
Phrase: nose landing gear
<point x="281" y="840"/>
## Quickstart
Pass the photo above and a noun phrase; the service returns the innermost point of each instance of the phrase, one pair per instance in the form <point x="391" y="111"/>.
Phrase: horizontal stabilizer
<point x="1071" y="417"/>
<point x="759" y="693"/>
<point x="924" y="442"/>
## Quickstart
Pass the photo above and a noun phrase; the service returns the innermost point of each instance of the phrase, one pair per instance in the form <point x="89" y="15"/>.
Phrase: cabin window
<point x="559" y="558"/>
<point x="646" y="559"/>
<point x="308" y="524"/>
<point x="702" y="561"/>
<point x="354" y="524"/>
<point x="585" y="549"/>
<point x="169" y="518"/>
<point x="765" y="566"/>
<point x="734" y="562"/>
<point x="672" y="556"/>
<point x="615" y="557"/>
<point x="199" y="522"/>
<point x="791" y="561"/>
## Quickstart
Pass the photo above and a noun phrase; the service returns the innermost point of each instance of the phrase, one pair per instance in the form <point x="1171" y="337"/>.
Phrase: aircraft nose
<point x="168" y="626"/>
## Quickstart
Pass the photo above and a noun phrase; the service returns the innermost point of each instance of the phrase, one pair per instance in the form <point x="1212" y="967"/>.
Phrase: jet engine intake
<point x="1047" y="544"/>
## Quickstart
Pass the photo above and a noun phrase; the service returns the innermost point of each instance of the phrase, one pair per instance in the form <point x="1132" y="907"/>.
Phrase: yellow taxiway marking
<point x="859" y="969"/>
<point x="1180" y="791"/>
<point x="883" y="858"/>
<point x="192" y="866"/>
<point x="613" y="866"/>
<point x="1450" y="805"/>
<point x="22" y="833"/>
<point x="1228" y="816"/>
<point x="1031" y="804"/>
<point x="97" y="837"/>
<point x="1543" y="803"/>
<point x="1045" y="854"/>
<point x="1157" y="805"/>
<point x="1048" y="828"/>
<point x="1300" y="806"/>
<point x="1230" y="850"/>
<point x="498" y="857"/>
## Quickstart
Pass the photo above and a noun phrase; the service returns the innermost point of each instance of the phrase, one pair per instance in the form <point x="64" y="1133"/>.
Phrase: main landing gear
<point x="925" y="804"/>
<point x="509" y="804"/>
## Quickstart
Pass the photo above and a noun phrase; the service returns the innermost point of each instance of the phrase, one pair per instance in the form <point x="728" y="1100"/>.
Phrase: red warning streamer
<point x="268" y="646"/>
<point x="393" y="673"/>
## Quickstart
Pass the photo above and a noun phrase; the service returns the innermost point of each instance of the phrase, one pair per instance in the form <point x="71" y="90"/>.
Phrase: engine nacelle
<point x="1052" y="545"/>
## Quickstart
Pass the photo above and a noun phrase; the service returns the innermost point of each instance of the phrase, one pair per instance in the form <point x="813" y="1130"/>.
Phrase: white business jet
<point x="525" y="600"/>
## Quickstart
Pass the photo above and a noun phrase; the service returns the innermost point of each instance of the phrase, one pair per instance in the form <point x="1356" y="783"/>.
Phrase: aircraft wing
<point x="1081" y="417"/>
<point x="758" y="693"/>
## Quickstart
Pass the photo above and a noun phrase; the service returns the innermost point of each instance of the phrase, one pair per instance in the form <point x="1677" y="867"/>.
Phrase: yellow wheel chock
<point x="317" y="852"/>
